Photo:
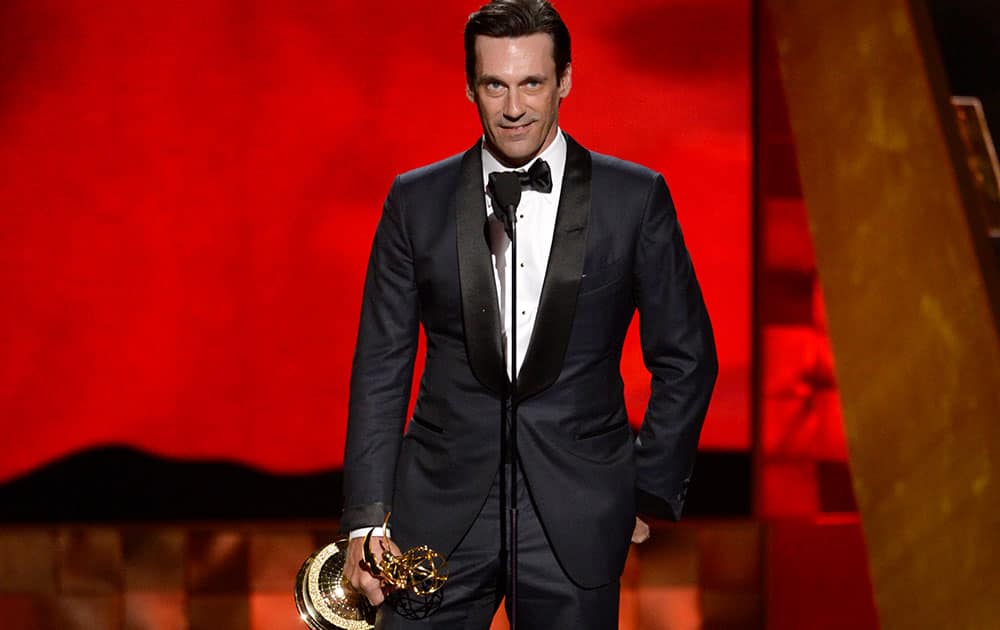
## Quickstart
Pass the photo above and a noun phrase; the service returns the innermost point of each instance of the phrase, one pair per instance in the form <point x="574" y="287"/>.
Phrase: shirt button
<point x="522" y="265"/>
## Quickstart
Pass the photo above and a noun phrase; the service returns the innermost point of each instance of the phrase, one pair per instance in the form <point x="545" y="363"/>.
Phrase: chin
<point x="518" y="153"/>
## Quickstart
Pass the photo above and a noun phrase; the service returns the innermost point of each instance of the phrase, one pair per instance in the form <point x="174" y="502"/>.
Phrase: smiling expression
<point x="517" y="94"/>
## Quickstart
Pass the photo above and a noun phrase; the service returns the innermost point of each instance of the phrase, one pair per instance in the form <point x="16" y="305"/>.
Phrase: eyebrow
<point x="488" y="78"/>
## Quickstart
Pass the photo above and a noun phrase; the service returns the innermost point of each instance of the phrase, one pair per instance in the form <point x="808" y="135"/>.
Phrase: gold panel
<point x="911" y="290"/>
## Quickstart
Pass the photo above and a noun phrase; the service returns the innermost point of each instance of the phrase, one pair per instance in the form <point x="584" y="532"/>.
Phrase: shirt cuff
<point x="361" y="532"/>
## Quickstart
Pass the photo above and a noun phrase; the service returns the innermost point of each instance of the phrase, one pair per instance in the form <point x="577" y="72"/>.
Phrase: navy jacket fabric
<point x="617" y="248"/>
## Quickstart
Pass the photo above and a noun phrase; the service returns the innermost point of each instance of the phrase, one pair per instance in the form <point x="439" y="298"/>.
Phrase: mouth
<point x="516" y="129"/>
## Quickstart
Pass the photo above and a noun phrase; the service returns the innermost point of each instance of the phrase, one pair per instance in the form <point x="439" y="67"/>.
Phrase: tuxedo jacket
<point x="616" y="248"/>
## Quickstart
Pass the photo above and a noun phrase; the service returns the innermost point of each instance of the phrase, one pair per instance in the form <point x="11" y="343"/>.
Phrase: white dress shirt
<point x="536" y="221"/>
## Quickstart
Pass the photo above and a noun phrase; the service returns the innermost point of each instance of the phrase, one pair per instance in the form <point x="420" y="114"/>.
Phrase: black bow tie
<point x="538" y="177"/>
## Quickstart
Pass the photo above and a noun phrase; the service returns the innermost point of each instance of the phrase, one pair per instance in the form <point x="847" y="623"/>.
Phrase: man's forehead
<point x="527" y="53"/>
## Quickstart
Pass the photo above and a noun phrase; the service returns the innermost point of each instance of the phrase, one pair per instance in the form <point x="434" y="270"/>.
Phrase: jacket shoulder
<point x="622" y="184"/>
<point x="431" y="177"/>
<point x="630" y="172"/>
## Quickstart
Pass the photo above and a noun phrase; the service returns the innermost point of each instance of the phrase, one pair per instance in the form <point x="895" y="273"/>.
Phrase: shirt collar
<point x="554" y="154"/>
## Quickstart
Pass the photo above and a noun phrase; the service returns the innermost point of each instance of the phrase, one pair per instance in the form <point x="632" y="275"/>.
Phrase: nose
<point x="513" y="107"/>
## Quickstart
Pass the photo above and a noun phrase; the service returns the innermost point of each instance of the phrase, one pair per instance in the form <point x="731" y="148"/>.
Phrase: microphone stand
<point x="512" y="430"/>
<point x="506" y="187"/>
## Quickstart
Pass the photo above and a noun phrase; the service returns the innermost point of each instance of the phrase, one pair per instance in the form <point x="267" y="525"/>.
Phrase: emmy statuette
<point x="326" y="601"/>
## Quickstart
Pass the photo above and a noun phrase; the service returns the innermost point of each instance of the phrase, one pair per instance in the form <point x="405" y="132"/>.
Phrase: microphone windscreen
<point x="506" y="189"/>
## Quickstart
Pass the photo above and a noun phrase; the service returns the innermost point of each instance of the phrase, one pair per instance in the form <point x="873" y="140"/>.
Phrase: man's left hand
<point x="641" y="532"/>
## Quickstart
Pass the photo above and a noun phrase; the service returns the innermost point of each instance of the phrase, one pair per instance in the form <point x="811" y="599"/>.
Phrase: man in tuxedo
<point x="598" y="239"/>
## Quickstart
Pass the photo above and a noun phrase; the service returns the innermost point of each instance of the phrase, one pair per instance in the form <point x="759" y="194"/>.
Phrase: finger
<point x="373" y="591"/>
<point x="362" y="582"/>
<point x="640" y="533"/>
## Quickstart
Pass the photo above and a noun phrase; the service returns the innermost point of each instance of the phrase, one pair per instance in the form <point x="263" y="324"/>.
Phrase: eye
<point x="493" y="87"/>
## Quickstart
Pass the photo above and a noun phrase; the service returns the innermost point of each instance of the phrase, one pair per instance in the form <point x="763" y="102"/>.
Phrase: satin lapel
<point x="550" y="337"/>
<point x="480" y="311"/>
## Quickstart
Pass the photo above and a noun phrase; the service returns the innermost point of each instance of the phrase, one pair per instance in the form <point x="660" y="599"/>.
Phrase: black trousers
<point x="546" y="598"/>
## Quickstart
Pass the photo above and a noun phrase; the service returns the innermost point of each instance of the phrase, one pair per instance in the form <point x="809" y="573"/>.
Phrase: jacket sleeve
<point x="678" y="349"/>
<point x="382" y="370"/>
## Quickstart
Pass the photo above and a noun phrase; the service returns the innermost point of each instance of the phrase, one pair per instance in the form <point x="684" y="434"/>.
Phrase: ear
<point x="566" y="81"/>
<point x="469" y="94"/>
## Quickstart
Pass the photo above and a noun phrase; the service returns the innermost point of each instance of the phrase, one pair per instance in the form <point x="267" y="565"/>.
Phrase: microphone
<point x="505" y="190"/>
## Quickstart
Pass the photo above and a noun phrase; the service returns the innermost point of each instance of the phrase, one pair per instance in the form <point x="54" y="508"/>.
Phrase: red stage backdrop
<point x="188" y="193"/>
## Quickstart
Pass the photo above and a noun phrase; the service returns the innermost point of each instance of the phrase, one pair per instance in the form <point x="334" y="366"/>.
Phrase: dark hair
<point x="516" y="18"/>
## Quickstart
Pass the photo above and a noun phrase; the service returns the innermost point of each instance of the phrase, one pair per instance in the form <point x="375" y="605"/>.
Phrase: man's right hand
<point x="358" y="573"/>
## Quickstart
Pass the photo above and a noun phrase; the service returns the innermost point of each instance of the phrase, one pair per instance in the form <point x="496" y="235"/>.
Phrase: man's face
<point x="517" y="93"/>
